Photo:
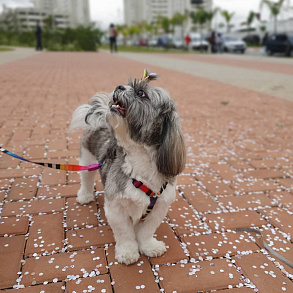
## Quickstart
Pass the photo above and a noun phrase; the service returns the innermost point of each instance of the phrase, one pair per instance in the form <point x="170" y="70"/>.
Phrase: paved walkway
<point x="266" y="75"/>
<point x="17" y="54"/>
<point x="239" y="173"/>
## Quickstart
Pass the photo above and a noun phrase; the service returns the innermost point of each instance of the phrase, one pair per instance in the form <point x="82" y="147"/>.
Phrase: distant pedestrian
<point x="187" y="42"/>
<point x="212" y="41"/>
<point x="219" y="43"/>
<point x="39" y="46"/>
<point x="113" y="38"/>
<point x="264" y="43"/>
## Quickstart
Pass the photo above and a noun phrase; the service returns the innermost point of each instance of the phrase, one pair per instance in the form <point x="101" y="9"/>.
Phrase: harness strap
<point x="66" y="167"/>
<point x="153" y="196"/>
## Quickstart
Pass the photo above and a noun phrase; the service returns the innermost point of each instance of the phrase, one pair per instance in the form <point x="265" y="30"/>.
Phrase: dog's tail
<point x="91" y="116"/>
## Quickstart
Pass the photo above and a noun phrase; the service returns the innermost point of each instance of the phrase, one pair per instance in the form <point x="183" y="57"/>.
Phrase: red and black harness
<point x="153" y="196"/>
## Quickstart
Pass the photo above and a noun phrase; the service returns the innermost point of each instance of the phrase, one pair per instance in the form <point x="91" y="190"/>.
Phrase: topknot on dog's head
<point x="148" y="76"/>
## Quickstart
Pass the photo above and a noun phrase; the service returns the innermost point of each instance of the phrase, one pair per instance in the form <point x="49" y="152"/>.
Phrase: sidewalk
<point x="239" y="173"/>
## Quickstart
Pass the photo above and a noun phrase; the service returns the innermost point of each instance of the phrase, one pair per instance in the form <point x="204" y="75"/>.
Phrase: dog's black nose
<point x="120" y="87"/>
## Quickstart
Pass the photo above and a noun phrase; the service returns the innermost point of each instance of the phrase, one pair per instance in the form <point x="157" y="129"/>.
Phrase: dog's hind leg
<point x="87" y="178"/>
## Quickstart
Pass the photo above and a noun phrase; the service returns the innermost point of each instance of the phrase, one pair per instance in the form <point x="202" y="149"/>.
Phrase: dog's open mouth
<point x="118" y="106"/>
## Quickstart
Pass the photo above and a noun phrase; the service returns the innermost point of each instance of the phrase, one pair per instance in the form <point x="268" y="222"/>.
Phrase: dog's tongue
<point x="120" y="109"/>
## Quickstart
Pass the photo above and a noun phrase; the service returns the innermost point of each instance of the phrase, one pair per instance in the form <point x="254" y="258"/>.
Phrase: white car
<point x="198" y="43"/>
<point x="177" y="43"/>
<point x="232" y="44"/>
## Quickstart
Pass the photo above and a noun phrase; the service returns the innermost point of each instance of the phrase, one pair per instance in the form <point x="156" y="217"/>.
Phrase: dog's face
<point x="148" y="115"/>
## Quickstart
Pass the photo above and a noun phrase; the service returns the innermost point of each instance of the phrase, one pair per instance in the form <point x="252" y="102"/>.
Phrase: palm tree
<point x="179" y="19"/>
<point x="249" y="20"/>
<point x="227" y="16"/>
<point x="210" y="15"/>
<point x="275" y="9"/>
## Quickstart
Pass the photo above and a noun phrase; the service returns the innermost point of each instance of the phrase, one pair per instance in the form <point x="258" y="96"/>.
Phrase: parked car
<point x="198" y="43"/>
<point x="177" y="42"/>
<point x="232" y="44"/>
<point x="153" y="42"/>
<point x="252" y="39"/>
<point x="279" y="43"/>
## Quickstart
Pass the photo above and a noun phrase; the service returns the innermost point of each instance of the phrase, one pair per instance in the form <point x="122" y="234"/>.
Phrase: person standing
<point x="187" y="42"/>
<point x="264" y="43"/>
<point x="112" y="38"/>
<point x="39" y="46"/>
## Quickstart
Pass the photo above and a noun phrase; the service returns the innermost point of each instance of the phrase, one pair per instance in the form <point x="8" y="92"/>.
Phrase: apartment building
<point x="67" y="13"/>
<point x="148" y="10"/>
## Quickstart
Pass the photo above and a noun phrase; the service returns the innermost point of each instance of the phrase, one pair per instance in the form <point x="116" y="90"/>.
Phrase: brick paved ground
<point x="239" y="173"/>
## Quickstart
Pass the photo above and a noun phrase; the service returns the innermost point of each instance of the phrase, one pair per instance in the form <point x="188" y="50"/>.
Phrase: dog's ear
<point x="171" y="153"/>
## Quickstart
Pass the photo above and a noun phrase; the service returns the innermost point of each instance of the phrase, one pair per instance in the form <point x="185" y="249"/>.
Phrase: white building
<point x="67" y="13"/>
<point x="137" y="11"/>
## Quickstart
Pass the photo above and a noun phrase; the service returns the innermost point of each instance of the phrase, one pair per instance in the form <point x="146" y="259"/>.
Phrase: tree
<point x="199" y="17"/>
<point x="227" y="16"/>
<point x="179" y="20"/>
<point x="275" y="9"/>
<point x="210" y="15"/>
<point x="249" y="20"/>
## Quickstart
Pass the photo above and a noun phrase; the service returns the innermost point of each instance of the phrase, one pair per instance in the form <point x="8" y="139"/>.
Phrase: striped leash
<point x="65" y="167"/>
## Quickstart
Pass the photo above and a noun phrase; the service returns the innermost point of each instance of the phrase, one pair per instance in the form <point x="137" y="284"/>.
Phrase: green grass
<point x="5" y="49"/>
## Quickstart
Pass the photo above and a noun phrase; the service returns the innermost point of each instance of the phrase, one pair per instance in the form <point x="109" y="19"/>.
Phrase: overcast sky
<point x="107" y="11"/>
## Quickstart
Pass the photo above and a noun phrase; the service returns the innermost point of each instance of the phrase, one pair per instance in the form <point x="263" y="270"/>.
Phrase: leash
<point x="266" y="246"/>
<point x="65" y="167"/>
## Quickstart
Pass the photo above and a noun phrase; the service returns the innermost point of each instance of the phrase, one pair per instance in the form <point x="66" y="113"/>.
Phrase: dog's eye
<point x="141" y="93"/>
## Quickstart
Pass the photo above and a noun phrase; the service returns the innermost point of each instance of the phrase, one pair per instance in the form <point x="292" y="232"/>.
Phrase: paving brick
<point x="53" y="177"/>
<point x="183" y="219"/>
<point x="53" y="191"/>
<point x="234" y="220"/>
<point x="11" y="251"/>
<point x="92" y="284"/>
<point x="264" y="174"/>
<point x="282" y="197"/>
<point x="14" y="226"/>
<point x="58" y="266"/>
<point x="35" y="152"/>
<point x="88" y="237"/>
<point x="247" y="201"/>
<point x="23" y="188"/>
<point x="49" y="288"/>
<point x="215" y="185"/>
<point x="263" y="273"/>
<point x="254" y="186"/>
<point x="265" y="164"/>
<point x="287" y="183"/>
<point x="185" y="180"/>
<point x="74" y="178"/>
<point x="280" y="219"/>
<point x="16" y="173"/>
<point x="219" y="244"/>
<point x="174" y="251"/>
<point x="46" y="234"/>
<point x="200" y="276"/>
<point x="225" y="172"/>
<point x="132" y="277"/>
<point x="199" y="199"/>
<point x="81" y="216"/>
<point x="33" y="207"/>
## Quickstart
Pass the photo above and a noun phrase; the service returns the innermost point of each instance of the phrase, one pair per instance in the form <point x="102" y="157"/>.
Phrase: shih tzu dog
<point x="135" y="132"/>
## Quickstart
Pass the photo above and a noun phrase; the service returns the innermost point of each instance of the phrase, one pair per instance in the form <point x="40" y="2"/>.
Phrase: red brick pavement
<point x="238" y="173"/>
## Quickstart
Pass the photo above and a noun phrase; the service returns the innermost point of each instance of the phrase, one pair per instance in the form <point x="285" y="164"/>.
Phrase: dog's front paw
<point x="127" y="253"/>
<point x="153" y="248"/>
<point x="84" y="197"/>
